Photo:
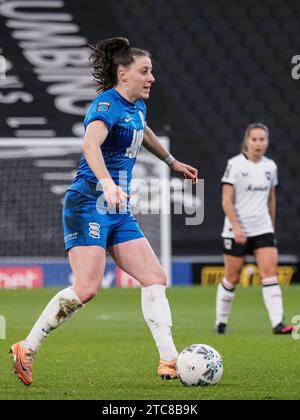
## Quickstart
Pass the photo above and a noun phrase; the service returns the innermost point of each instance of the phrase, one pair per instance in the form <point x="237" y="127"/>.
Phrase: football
<point x="199" y="365"/>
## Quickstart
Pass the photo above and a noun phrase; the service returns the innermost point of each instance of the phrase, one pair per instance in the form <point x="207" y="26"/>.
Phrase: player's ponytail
<point x="105" y="58"/>
<point x="250" y="127"/>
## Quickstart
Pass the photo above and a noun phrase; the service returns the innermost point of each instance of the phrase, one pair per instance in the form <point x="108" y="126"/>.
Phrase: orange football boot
<point x="167" y="370"/>
<point x="23" y="359"/>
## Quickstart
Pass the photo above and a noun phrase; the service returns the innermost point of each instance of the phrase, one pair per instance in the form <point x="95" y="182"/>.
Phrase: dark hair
<point x="248" y="131"/>
<point x="106" y="56"/>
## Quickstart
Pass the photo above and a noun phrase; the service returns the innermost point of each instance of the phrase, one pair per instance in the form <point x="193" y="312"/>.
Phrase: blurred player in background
<point x="249" y="204"/>
<point x="96" y="212"/>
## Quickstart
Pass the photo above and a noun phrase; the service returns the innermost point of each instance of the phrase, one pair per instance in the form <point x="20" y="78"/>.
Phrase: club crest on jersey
<point x="94" y="230"/>
<point x="268" y="176"/>
<point x="103" y="106"/>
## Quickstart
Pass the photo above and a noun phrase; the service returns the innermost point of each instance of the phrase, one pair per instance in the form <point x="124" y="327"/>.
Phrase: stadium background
<point x="218" y="66"/>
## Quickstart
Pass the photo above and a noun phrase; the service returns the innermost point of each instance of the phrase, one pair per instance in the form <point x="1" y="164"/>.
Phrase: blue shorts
<point x="84" y="225"/>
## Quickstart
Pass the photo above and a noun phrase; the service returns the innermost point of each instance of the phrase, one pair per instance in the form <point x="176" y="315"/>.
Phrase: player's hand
<point x="114" y="195"/>
<point x="187" y="171"/>
<point x="239" y="235"/>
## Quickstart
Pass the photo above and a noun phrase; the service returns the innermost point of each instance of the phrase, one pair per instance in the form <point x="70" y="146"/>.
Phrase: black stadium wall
<point x="218" y="66"/>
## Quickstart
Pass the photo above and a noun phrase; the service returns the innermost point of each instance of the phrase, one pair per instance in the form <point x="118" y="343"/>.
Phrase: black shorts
<point x="230" y="247"/>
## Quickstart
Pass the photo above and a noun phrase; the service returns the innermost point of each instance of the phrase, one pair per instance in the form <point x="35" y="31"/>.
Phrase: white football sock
<point x="61" y="307"/>
<point x="157" y="314"/>
<point x="272" y="296"/>
<point x="225" y="296"/>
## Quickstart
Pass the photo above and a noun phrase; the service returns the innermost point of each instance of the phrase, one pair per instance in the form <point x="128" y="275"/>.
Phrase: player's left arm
<point x="272" y="205"/>
<point x="152" y="144"/>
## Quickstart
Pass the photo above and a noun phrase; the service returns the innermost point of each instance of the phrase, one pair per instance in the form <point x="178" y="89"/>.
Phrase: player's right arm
<point x="96" y="133"/>
<point x="228" y="207"/>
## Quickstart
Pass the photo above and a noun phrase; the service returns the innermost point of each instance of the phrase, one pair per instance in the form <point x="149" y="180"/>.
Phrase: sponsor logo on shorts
<point x="71" y="236"/>
<point x="103" y="106"/>
<point x="94" y="230"/>
<point x="228" y="244"/>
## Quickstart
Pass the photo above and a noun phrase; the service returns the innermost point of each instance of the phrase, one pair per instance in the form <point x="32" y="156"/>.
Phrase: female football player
<point x="249" y="202"/>
<point x="96" y="213"/>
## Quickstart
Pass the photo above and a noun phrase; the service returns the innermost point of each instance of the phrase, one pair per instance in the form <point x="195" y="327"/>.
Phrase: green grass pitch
<point x="106" y="352"/>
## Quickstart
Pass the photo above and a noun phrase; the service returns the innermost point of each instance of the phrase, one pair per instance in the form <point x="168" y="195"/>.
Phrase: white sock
<point x="61" y="307"/>
<point x="157" y="314"/>
<point x="225" y="296"/>
<point x="272" y="296"/>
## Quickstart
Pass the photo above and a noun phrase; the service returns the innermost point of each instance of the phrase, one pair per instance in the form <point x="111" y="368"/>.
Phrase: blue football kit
<point x="86" y="218"/>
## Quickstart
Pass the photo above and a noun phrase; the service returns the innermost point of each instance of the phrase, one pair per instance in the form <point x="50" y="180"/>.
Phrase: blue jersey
<point x="125" y="122"/>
